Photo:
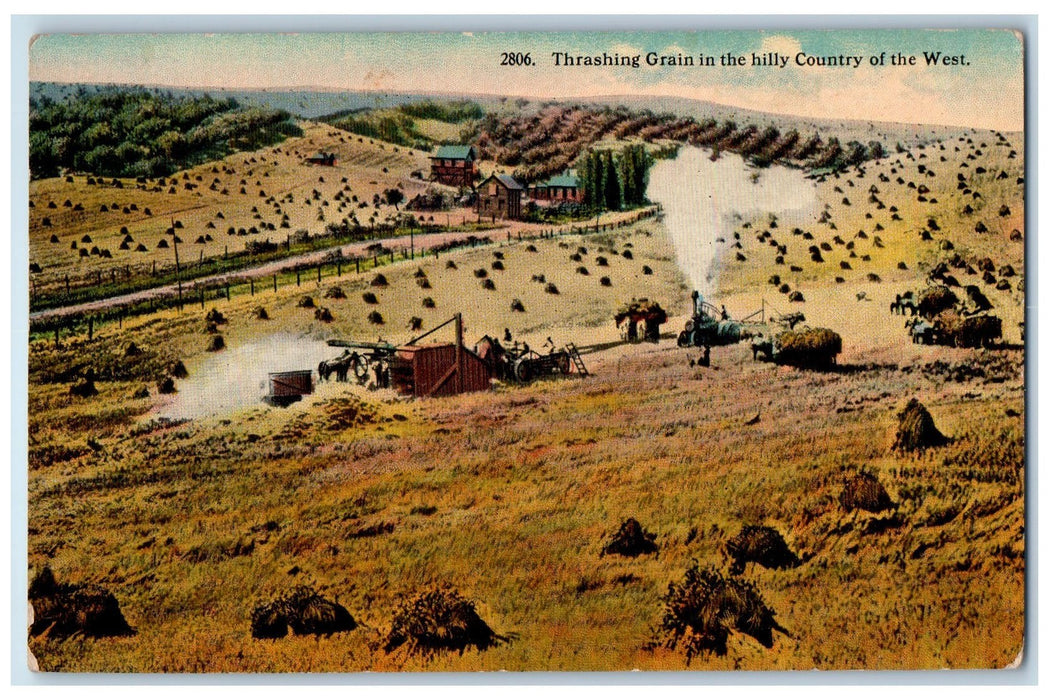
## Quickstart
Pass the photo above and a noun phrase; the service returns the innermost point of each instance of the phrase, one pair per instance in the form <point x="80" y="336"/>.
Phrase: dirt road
<point x="420" y="242"/>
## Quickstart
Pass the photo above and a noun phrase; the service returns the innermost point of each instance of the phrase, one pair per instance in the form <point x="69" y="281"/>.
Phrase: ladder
<point x="573" y="352"/>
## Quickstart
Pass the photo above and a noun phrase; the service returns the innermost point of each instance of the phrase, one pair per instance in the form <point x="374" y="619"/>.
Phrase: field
<point x="509" y="497"/>
<point x="216" y="209"/>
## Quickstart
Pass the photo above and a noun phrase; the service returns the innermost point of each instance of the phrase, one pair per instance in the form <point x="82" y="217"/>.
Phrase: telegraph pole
<point x="178" y="271"/>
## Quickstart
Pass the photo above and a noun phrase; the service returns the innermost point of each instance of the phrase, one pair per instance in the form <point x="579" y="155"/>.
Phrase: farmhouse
<point x="499" y="196"/>
<point x="454" y="165"/>
<point x="562" y="188"/>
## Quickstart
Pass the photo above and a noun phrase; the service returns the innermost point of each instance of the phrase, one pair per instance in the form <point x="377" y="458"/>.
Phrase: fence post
<point x="252" y="281"/>
<point x="338" y="268"/>
<point x="298" y="278"/>
<point x="274" y="281"/>
<point x="67" y="283"/>
<point x="202" y="297"/>
<point x="90" y="327"/>
<point x="318" y="274"/>
<point x="227" y="290"/>
<point x="358" y="261"/>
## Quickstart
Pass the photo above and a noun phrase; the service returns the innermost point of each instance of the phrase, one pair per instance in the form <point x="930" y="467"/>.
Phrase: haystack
<point x="917" y="431"/>
<point x="260" y="313"/>
<point x="323" y="314"/>
<point x="762" y="545"/>
<point x="84" y="388"/>
<point x="214" y="316"/>
<point x="306" y="302"/>
<point x="66" y="609"/>
<point x="863" y="491"/>
<point x="302" y="610"/>
<point x="702" y="609"/>
<point x="631" y="540"/>
<point x="216" y="343"/>
<point x="808" y="347"/>
<point x="335" y="293"/>
<point x="439" y="620"/>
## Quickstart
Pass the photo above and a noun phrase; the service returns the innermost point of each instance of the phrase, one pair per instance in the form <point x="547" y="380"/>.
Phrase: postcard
<point x="534" y="351"/>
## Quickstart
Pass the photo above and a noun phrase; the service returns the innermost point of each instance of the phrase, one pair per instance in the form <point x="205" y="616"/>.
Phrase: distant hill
<point x="306" y="103"/>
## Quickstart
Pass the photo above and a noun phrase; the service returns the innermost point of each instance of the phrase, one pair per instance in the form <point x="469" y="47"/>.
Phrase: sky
<point x="985" y="90"/>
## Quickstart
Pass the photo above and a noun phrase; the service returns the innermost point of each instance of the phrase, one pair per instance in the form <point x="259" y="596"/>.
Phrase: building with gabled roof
<point x="560" y="188"/>
<point x="454" y="165"/>
<point x="499" y="196"/>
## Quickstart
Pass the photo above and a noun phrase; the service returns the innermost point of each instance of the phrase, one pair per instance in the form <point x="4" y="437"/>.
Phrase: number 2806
<point x="516" y="59"/>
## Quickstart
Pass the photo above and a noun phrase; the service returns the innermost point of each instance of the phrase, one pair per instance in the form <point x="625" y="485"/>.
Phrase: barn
<point x="454" y="165"/>
<point x="499" y="196"/>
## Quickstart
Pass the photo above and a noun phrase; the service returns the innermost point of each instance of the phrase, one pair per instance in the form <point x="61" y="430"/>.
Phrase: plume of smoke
<point x="238" y="376"/>
<point x="702" y="198"/>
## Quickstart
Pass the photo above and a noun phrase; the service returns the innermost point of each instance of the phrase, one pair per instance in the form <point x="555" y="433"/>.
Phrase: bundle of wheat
<point x="917" y="431"/>
<point x="701" y="610"/>
<point x="66" y="609"/>
<point x="631" y="540"/>
<point x="304" y="611"/>
<point x="439" y="620"/>
<point x="762" y="545"/>
<point x="863" y="491"/>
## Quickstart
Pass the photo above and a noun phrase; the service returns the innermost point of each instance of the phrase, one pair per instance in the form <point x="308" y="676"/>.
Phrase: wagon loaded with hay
<point x="641" y="313"/>
<point x="953" y="328"/>
<point x="804" y="347"/>
<point x="947" y="321"/>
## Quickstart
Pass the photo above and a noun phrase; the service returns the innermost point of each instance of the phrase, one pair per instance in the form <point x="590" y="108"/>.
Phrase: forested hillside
<point x="133" y="133"/>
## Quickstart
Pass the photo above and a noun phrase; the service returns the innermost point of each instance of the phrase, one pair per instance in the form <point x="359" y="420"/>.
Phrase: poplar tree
<point x="613" y="194"/>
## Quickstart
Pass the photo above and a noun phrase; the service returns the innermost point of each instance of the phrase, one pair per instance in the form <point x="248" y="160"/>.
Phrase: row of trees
<point x="612" y="182"/>
<point x="131" y="133"/>
<point x="544" y="143"/>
